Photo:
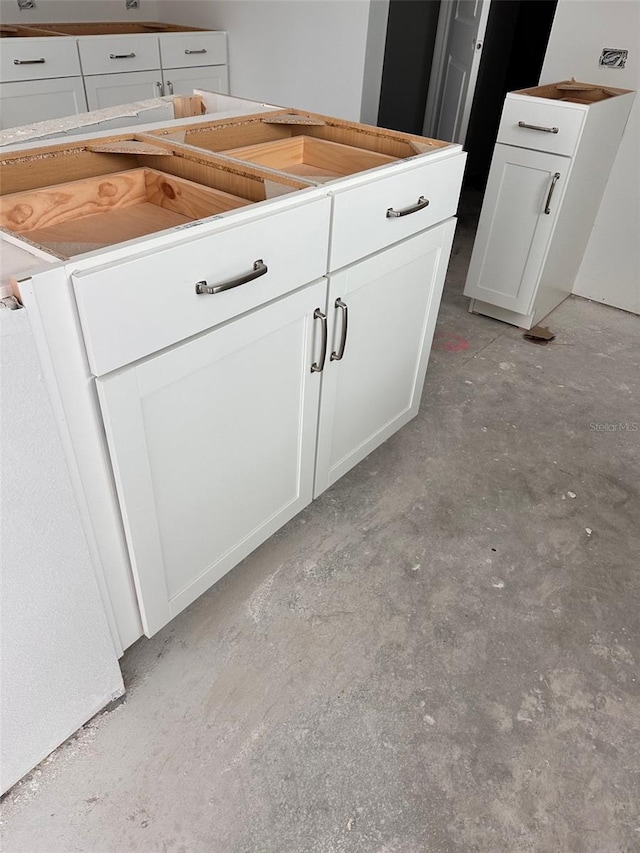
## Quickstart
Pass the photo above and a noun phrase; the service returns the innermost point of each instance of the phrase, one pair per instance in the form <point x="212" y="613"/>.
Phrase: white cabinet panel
<point x="213" y="448"/>
<point x="38" y="59"/>
<point x="185" y="50"/>
<point x="392" y="301"/>
<point x="110" y="90"/>
<point x="159" y="288"/>
<point x="361" y="224"/>
<point x="39" y="100"/>
<point x="519" y="212"/>
<point x="182" y="81"/>
<point x="542" y="126"/>
<point x="118" y="54"/>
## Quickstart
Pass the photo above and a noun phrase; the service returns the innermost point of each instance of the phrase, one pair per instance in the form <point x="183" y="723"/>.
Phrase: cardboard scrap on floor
<point x="539" y="335"/>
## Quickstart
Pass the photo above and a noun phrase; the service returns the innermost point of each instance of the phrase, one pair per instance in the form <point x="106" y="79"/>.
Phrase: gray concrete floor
<point x="440" y="655"/>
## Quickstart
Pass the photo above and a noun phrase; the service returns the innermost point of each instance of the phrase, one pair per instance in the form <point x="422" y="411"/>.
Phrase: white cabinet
<point x="556" y="145"/>
<point x="110" y="90"/>
<point x="251" y="335"/>
<point x="40" y="100"/>
<point x="382" y="313"/>
<point x="182" y="81"/>
<point x="213" y="446"/>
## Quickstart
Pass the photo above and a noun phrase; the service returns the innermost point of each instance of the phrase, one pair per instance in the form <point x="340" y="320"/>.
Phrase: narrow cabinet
<point x="213" y="444"/>
<point x="382" y="313"/>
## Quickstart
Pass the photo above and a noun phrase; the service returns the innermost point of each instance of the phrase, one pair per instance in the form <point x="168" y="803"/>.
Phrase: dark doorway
<point x="515" y="44"/>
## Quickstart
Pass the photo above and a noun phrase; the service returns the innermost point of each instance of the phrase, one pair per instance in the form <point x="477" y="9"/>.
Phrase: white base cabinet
<point x="213" y="447"/>
<point x="555" y="148"/>
<point x="182" y="81"/>
<point x="218" y="372"/>
<point x="382" y="315"/>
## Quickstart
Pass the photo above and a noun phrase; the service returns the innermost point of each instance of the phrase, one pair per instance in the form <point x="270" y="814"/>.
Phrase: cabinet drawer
<point x="38" y="59"/>
<point x="184" y="50"/>
<point x="115" y="55"/>
<point x="136" y="307"/>
<point x="554" y="127"/>
<point x="361" y="224"/>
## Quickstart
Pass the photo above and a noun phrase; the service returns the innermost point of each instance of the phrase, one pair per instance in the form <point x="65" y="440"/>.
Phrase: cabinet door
<point x="40" y="100"/>
<point x="391" y="301"/>
<point x="182" y="81"/>
<point x="519" y="212"/>
<point x="212" y="445"/>
<point x="110" y="90"/>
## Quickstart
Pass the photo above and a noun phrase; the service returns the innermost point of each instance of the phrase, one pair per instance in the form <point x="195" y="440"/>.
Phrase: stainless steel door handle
<point x="259" y="268"/>
<point x="336" y="356"/>
<point x="538" y="127"/>
<point x="554" y="181"/>
<point x="29" y="61"/>
<point x="159" y="88"/>
<point x="121" y="55"/>
<point x="201" y="50"/>
<point x="420" y="205"/>
<point x="317" y="367"/>
<point x="170" y="87"/>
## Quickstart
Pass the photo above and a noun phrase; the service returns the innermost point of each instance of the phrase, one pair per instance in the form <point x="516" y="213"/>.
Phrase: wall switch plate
<point x="613" y="57"/>
<point x="26" y="4"/>
<point x="131" y="4"/>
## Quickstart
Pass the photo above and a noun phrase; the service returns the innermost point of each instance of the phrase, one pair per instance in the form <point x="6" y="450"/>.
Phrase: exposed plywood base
<point x="110" y="209"/>
<point x="305" y="155"/>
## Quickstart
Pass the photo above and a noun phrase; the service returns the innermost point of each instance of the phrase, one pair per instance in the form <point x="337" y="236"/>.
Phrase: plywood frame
<point x="225" y="135"/>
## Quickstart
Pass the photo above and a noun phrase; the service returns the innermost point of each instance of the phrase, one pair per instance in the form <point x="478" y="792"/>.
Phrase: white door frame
<point x="436" y="80"/>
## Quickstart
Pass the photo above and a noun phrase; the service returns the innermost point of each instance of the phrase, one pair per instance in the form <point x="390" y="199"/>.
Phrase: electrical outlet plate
<point x="131" y="4"/>
<point x="26" y="4"/>
<point x="613" y="57"/>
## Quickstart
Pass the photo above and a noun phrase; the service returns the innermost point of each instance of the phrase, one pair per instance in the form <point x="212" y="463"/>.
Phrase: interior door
<point x="519" y="212"/>
<point x="213" y="447"/>
<point x="372" y="381"/>
<point x="461" y="29"/>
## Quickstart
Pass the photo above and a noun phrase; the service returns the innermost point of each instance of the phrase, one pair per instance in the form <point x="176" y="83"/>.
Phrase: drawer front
<point x="136" y="307"/>
<point x="552" y="127"/>
<point x="185" y="50"/>
<point x="118" y="54"/>
<point x="361" y="224"/>
<point x="38" y="59"/>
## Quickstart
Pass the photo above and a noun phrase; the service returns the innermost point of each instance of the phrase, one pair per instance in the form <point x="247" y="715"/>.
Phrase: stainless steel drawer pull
<point x="201" y="50"/>
<point x="554" y="181"/>
<point x="317" y="367"/>
<point x="538" y="127"/>
<point x="336" y="356"/>
<point x="121" y="55"/>
<point x="420" y="205"/>
<point x="29" y="61"/>
<point x="259" y="268"/>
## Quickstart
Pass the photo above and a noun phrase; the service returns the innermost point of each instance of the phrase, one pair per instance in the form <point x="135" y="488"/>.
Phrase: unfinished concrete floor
<point x="440" y="655"/>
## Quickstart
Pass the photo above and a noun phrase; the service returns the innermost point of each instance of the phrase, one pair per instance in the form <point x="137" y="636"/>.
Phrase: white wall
<point x="610" y="271"/>
<point x="59" y="666"/>
<point x="297" y="53"/>
<point x="70" y="11"/>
